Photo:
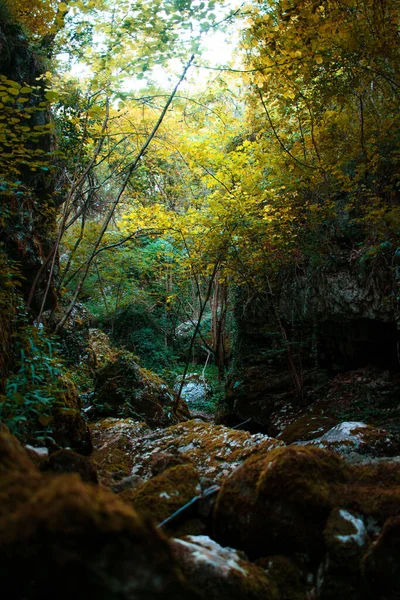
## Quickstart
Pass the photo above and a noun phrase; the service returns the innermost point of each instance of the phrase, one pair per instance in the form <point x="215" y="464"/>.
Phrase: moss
<point x="88" y="538"/>
<point x="382" y="563"/>
<point x="221" y="573"/>
<point x="279" y="502"/>
<point x="374" y="490"/>
<point x="114" y="460"/>
<point x="68" y="425"/>
<point x="162" y="495"/>
<point x="285" y="576"/>
<point x="307" y="427"/>
<point x="67" y="461"/>
<point x="124" y="389"/>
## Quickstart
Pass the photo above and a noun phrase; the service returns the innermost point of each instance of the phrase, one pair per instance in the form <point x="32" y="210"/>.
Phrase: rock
<point x="340" y="574"/>
<point x="114" y="447"/>
<point x="306" y="427"/>
<point x="162" y="495"/>
<point x="374" y="491"/>
<point x="215" y="450"/>
<point x="101" y="349"/>
<point x="358" y="437"/>
<point x="195" y="389"/>
<point x="69" y="427"/>
<point x="92" y="544"/>
<point x="67" y="461"/>
<point x="278" y="503"/>
<point x="221" y="573"/>
<point x="124" y="389"/>
<point x="286" y="577"/>
<point x="382" y="563"/>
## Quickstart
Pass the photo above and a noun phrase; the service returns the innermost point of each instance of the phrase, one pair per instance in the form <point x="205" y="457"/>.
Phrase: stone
<point x="340" y="573"/>
<point x="67" y="461"/>
<point x="69" y="427"/>
<point x="61" y="537"/>
<point x="123" y="389"/>
<point x="382" y="563"/>
<point x="278" y="502"/>
<point x="221" y="573"/>
<point x="353" y="436"/>
<point x="216" y="451"/>
<point x="160" y="496"/>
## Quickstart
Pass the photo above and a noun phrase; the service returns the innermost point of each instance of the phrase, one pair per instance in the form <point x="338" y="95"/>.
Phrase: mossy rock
<point x="69" y="427"/>
<point x="286" y="576"/>
<point x="92" y="544"/>
<point x="306" y="427"/>
<point x="67" y="461"/>
<point x="221" y="573"/>
<point x="124" y="389"/>
<point x="162" y="495"/>
<point x="278" y="503"/>
<point x="340" y="573"/>
<point x="382" y="563"/>
<point x="374" y="490"/>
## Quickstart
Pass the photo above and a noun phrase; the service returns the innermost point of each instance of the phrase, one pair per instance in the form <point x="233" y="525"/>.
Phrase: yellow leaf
<point x="62" y="7"/>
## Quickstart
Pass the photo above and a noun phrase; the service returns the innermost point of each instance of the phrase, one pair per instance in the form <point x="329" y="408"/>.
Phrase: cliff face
<point x="316" y="324"/>
<point x="27" y="181"/>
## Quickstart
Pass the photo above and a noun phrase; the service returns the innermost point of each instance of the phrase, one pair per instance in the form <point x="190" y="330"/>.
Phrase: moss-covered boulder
<point x="278" y="503"/>
<point x="114" y="454"/>
<point x="382" y="563"/>
<point x="373" y="490"/>
<point x="69" y="427"/>
<point x="67" y="461"/>
<point x="221" y="573"/>
<point x="216" y="451"/>
<point x="290" y="580"/>
<point x="162" y="495"/>
<point x="61" y="537"/>
<point x="340" y="573"/>
<point x="306" y="427"/>
<point x="124" y="389"/>
<point x="357" y="437"/>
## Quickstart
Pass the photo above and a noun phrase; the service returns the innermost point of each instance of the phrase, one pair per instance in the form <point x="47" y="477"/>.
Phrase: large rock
<point x="163" y="494"/>
<point x="221" y="573"/>
<point x="69" y="427"/>
<point x="124" y="389"/>
<point x="278" y="503"/>
<point x="382" y="563"/>
<point x="114" y="440"/>
<point x="348" y="437"/>
<point x="124" y="446"/>
<point x="340" y="573"/>
<point x="215" y="450"/>
<point x="60" y="537"/>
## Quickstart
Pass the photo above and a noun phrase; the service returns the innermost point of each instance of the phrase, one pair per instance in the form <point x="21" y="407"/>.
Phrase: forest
<point x="200" y="299"/>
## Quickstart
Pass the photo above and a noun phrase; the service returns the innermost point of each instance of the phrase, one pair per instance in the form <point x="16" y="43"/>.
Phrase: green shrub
<point x="31" y="391"/>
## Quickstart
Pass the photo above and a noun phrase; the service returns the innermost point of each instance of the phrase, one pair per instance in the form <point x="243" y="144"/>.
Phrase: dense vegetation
<point x="158" y="207"/>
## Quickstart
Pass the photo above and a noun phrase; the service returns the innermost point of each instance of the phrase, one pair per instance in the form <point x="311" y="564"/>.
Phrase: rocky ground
<point x="153" y="506"/>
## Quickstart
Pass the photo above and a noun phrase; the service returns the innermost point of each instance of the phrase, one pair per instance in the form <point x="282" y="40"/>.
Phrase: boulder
<point x="123" y="389"/>
<point x="289" y="579"/>
<point x="61" y="537"/>
<point x="67" y="461"/>
<point x="114" y="440"/>
<point x="353" y="436"/>
<point x="278" y="503"/>
<point x="221" y="573"/>
<point x="69" y="427"/>
<point x="215" y="450"/>
<point x="340" y="573"/>
<point x="382" y="563"/>
<point x="163" y="494"/>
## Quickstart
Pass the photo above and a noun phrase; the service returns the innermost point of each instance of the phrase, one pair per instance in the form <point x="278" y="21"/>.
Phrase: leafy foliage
<point x="31" y="392"/>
